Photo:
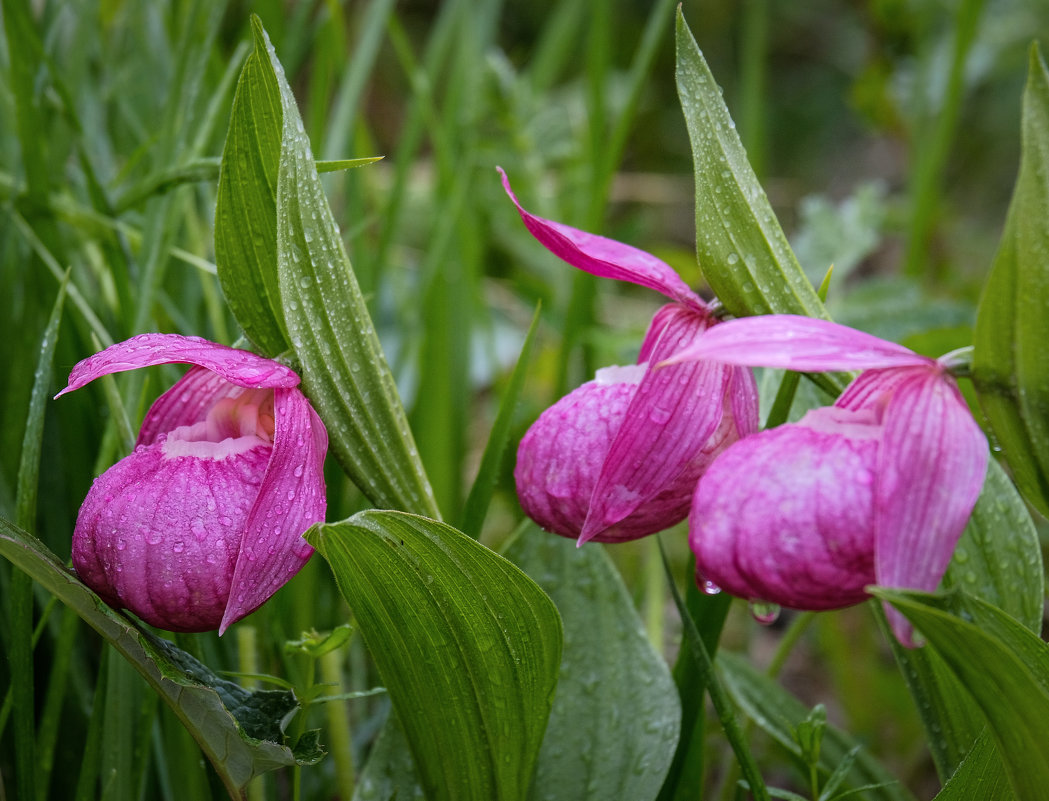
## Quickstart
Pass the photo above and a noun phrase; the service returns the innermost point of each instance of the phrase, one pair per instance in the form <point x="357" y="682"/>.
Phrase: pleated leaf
<point x="466" y="644"/>
<point x="1010" y="362"/>
<point x="289" y="280"/>
<point x="616" y="717"/>
<point x="742" y="250"/>
<point x="1002" y="665"/>
<point x="999" y="561"/>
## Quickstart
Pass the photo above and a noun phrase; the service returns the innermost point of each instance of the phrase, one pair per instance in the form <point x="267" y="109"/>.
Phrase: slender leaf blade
<point x="998" y="559"/>
<point x="778" y="713"/>
<point x="246" y="206"/>
<point x="980" y="776"/>
<point x="310" y="286"/>
<point x="616" y="716"/>
<point x="742" y="250"/>
<point x="467" y="645"/>
<point x="1010" y="361"/>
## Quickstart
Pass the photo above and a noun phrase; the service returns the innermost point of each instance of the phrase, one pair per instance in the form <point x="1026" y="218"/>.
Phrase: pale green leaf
<point x="616" y="717"/>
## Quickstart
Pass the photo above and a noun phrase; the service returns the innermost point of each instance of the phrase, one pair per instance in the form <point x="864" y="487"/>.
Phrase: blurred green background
<point x="885" y="133"/>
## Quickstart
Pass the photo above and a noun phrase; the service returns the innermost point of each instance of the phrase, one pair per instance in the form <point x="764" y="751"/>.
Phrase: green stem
<point x="718" y="697"/>
<point x="339" y="732"/>
<point x="797" y="628"/>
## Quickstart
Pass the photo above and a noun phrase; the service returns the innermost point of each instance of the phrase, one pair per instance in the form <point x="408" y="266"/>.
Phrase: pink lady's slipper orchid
<point x="618" y="458"/>
<point x="875" y="489"/>
<point x="202" y="523"/>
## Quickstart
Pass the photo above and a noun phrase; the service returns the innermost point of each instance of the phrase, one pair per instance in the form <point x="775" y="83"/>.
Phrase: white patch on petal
<point x="620" y="374"/>
<point x="175" y="445"/>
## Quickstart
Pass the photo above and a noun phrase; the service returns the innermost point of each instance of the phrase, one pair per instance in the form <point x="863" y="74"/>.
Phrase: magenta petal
<point x="932" y="466"/>
<point x="159" y="535"/>
<point x="239" y="367"/>
<point x="786" y="515"/>
<point x="290" y="500"/>
<point x="605" y="257"/>
<point x="791" y="342"/>
<point x="188" y="401"/>
<point x="667" y="427"/>
<point x="560" y="456"/>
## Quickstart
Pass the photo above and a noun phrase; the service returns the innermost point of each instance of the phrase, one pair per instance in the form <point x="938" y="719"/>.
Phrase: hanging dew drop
<point x="709" y="587"/>
<point x="765" y="613"/>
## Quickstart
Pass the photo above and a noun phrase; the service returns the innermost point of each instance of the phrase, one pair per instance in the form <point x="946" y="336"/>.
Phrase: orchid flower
<point x="875" y="489"/>
<point x="618" y="458"/>
<point x="202" y="522"/>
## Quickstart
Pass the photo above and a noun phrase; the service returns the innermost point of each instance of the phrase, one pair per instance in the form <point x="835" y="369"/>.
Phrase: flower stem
<point x="722" y="704"/>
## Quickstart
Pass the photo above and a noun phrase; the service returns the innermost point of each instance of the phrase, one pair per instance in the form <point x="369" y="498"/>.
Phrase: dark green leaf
<point x="246" y="206"/>
<point x="1010" y="362"/>
<point x="778" y="713"/>
<point x="466" y="644"/>
<point x="239" y="731"/>
<point x="1005" y="668"/>
<point x="616" y="716"/>
<point x="742" y="249"/>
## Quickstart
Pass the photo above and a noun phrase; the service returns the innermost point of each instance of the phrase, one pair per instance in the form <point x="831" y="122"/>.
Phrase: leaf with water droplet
<point x="628" y="725"/>
<point x="467" y="645"/>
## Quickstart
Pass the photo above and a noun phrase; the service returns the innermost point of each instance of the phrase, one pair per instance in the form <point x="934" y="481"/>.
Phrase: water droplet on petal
<point x="764" y="612"/>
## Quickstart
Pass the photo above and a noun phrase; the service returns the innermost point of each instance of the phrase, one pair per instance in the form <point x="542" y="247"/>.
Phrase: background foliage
<point x="885" y="133"/>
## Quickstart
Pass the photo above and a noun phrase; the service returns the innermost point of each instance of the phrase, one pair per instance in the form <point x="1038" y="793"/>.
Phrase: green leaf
<point x="742" y="250"/>
<point x="246" y="207"/>
<point x="1010" y="361"/>
<point x="480" y="496"/>
<point x="616" y="716"/>
<point x="1005" y="668"/>
<point x="238" y="731"/>
<point x="778" y="713"/>
<point x="997" y="559"/>
<point x="288" y="279"/>
<point x="467" y="646"/>
<point x="980" y="776"/>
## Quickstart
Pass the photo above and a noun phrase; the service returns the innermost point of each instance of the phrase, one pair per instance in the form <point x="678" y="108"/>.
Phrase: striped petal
<point x="791" y="342"/>
<point x="666" y="433"/>
<point x="605" y="257"/>
<point x="239" y="367"/>
<point x="290" y="500"/>
<point x="931" y="468"/>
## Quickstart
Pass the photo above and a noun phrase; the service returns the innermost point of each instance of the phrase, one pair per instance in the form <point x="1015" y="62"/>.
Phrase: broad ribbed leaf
<point x="616" y="716"/>
<point x="239" y="731"/>
<point x="778" y="713"/>
<point x="310" y="287"/>
<point x="998" y="560"/>
<point x="1011" y="362"/>
<point x="742" y="249"/>
<point x="1005" y="668"/>
<point x="467" y="645"/>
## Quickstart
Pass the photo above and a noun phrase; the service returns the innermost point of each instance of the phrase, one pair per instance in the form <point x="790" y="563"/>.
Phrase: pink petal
<point x="185" y="403"/>
<point x="668" y="424"/>
<point x="560" y="456"/>
<point x="606" y="257"/>
<point x="931" y="469"/>
<point x="873" y="388"/>
<point x="786" y="515"/>
<point x="290" y="500"/>
<point x="159" y="536"/>
<point x="791" y="342"/>
<point x="239" y="367"/>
